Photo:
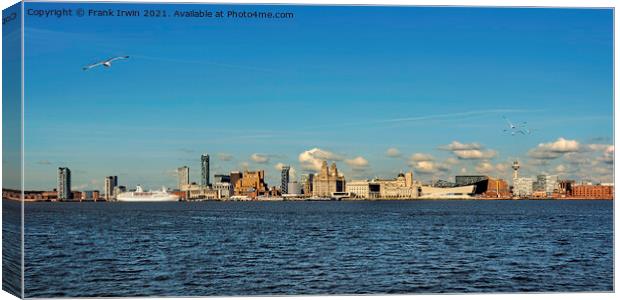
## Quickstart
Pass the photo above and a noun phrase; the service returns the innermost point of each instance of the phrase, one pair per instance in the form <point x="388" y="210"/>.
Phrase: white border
<point x="490" y="3"/>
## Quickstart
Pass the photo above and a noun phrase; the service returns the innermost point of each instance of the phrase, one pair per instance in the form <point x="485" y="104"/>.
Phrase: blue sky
<point x="348" y="82"/>
<point x="11" y="101"/>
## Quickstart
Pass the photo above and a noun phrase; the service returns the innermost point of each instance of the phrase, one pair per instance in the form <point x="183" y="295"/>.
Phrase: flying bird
<point x="516" y="128"/>
<point x="106" y="63"/>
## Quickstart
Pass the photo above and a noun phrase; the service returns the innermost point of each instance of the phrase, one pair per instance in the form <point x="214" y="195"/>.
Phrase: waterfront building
<point x="109" y="183"/>
<point x="523" y="186"/>
<point x="92" y="195"/>
<point x="235" y="176"/>
<point x="496" y="188"/>
<point x="195" y="191"/>
<point x="593" y="191"/>
<point x="251" y="184"/>
<point x="183" y="176"/>
<point x="274" y="191"/>
<point x="224" y="189"/>
<point x="293" y="189"/>
<point x="363" y="189"/>
<point x="76" y="195"/>
<point x="459" y="192"/>
<point x="204" y="167"/>
<point x="181" y="194"/>
<point x="462" y="180"/>
<point x="284" y="179"/>
<point x="221" y="178"/>
<point x="306" y="181"/>
<point x="443" y="183"/>
<point x="50" y="195"/>
<point x="565" y="187"/>
<point x="484" y="186"/>
<point x="546" y="183"/>
<point x="327" y="181"/>
<point x="401" y="187"/>
<point x="64" y="184"/>
<point x="31" y="196"/>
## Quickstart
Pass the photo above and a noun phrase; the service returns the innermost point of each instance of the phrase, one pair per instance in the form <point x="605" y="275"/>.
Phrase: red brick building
<point x="592" y="191"/>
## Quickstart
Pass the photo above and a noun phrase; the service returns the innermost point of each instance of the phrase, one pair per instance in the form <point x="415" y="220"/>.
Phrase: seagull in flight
<point x="106" y="63"/>
<point x="516" y="128"/>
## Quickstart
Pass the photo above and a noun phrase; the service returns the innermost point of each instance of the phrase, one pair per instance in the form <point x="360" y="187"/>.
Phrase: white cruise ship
<point x="139" y="195"/>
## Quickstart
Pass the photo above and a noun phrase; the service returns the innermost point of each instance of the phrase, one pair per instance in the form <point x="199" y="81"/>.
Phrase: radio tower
<point x="515" y="172"/>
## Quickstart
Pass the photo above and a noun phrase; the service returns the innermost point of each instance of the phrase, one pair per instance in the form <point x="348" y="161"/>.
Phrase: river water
<point x="277" y="248"/>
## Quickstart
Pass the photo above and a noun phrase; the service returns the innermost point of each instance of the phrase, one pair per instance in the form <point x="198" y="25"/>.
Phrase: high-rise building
<point x="110" y="182"/>
<point x="285" y="179"/>
<point x="183" y="173"/>
<point x="328" y="181"/>
<point x="204" y="165"/>
<point x="306" y="181"/>
<point x="64" y="184"/>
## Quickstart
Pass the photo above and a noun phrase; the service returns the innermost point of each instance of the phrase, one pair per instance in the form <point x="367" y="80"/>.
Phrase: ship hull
<point x="147" y="199"/>
<point x="131" y="197"/>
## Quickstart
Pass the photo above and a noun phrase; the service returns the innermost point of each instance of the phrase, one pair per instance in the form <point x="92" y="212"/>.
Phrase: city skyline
<point x="288" y="175"/>
<point x="419" y="88"/>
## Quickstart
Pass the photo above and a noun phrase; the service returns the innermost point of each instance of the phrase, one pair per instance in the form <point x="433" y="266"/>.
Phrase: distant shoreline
<point x="330" y="200"/>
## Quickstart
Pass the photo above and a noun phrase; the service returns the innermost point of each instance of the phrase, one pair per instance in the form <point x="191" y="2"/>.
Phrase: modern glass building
<point x="64" y="183"/>
<point x="204" y="165"/>
<point x="285" y="179"/>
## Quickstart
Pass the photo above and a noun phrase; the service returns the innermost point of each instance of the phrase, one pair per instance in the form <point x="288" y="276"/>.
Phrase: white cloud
<point x="357" y="163"/>
<point x="501" y="167"/>
<point x="555" y="149"/>
<point x="599" y="147"/>
<point x="608" y="155"/>
<point x="452" y="161"/>
<point x="392" y="152"/>
<point x="458" y="146"/>
<point x="417" y="157"/>
<point x="429" y="167"/>
<point x="468" y="150"/>
<point x="224" y="156"/>
<point x="488" y="167"/>
<point x="560" y="169"/>
<point x="485" y="167"/>
<point x="259" y="158"/>
<point x="475" y="154"/>
<point x="312" y="159"/>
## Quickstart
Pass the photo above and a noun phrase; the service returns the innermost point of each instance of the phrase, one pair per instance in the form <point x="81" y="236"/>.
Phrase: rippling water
<point x="11" y="247"/>
<point x="251" y="248"/>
